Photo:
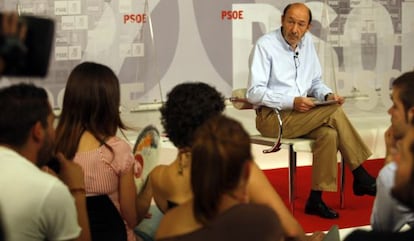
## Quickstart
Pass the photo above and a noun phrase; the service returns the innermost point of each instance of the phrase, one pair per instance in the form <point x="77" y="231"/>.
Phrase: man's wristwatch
<point x="327" y="95"/>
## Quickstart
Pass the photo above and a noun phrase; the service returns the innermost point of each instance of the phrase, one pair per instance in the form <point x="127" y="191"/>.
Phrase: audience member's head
<point x="188" y="106"/>
<point x="403" y="189"/>
<point x="220" y="152"/>
<point x="91" y="103"/>
<point x="402" y="97"/>
<point x="25" y="111"/>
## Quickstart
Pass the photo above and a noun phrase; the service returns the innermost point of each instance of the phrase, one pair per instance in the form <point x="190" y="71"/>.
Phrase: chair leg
<point x="342" y="185"/>
<point x="292" y="178"/>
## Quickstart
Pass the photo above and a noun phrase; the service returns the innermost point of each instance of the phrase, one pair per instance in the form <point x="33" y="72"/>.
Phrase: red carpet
<point x="357" y="209"/>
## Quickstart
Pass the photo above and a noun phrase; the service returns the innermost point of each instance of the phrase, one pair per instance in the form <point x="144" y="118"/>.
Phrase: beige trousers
<point x="331" y="130"/>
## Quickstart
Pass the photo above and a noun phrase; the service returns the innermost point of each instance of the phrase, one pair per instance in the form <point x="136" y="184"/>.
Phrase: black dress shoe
<point x="364" y="188"/>
<point x="320" y="209"/>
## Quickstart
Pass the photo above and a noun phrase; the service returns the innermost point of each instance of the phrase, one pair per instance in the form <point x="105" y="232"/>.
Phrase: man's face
<point x="399" y="120"/>
<point x="46" y="152"/>
<point x="295" y="23"/>
<point x="402" y="181"/>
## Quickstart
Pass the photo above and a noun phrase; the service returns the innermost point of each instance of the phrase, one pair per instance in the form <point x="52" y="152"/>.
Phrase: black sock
<point x="315" y="196"/>
<point x="362" y="176"/>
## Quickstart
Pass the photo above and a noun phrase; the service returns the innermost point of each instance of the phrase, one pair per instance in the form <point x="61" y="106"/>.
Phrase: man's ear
<point x="411" y="116"/>
<point x="246" y="170"/>
<point x="244" y="194"/>
<point x="38" y="132"/>
<point x="309" y="26"/>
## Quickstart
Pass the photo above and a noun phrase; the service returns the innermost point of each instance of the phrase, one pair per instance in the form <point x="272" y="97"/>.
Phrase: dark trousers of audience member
<point x="105" y="222"/>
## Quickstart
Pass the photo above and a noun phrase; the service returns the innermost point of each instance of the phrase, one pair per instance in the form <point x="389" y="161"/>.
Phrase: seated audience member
<point x="35" y="205"/>
<point x="219" y="209"/>
<point x="187" y="107"/>
<point x="403" y="191"/>
<point x="387" y="213"/>
<point x="86" y="133"/>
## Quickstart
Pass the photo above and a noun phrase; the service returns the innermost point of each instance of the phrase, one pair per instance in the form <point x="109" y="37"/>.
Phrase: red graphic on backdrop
<point x="231" y="14"/>
<point x="135" y="18"/>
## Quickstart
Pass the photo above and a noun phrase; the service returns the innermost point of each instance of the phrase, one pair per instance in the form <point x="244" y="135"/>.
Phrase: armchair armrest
<point x="239" y="100"/>
<point x="278" y="143"/>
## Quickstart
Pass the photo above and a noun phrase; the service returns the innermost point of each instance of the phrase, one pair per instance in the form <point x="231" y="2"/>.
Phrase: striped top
<point x="103" y="168"/>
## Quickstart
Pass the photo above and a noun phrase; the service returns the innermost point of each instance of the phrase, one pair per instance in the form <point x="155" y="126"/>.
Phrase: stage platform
<point x="371" y="125"/>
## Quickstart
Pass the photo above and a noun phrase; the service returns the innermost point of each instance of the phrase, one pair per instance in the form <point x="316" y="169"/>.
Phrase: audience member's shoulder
<point x="156" y="174"/>
<point x="182" y="220"/>
<point x="252" y="209"/>
<point x="388" y="169"/>
<point x="37" y="174"/>
<point x="119" y="143"/>
<point x="41" y="180"/>
<point x="261" y="221"/>
<point x="250" y="214"/>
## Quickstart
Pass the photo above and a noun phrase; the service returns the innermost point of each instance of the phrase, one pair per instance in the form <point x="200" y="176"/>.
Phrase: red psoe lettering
<point x="223" y="14"/>
<point x="135" y="18"/>
<point x="126" y="18"/>
<point x="231" y="14"/>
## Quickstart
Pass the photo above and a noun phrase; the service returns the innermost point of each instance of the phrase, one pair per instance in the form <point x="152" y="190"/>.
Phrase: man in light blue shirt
<point x="285" y="72"/>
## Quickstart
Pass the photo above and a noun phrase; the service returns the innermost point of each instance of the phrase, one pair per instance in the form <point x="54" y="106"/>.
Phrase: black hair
<point x="405" y="85"/>
<point x="188" y="106"/>
<point x="91" y="103"/>
<point x="21" y="107"/>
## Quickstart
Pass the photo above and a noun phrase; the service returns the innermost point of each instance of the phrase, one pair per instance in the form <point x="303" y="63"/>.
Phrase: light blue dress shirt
<point x="278" y="74"/>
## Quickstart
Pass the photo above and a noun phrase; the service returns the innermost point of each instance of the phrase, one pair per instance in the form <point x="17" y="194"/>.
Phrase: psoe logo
<point x="135" y="18"/>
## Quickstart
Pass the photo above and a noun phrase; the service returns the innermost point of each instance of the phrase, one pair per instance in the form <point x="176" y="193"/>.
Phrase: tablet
<point x="325" y="102"/>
